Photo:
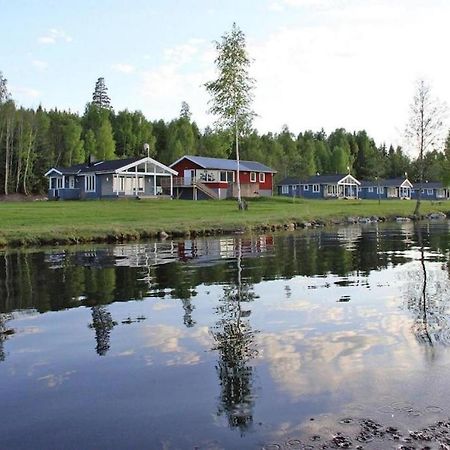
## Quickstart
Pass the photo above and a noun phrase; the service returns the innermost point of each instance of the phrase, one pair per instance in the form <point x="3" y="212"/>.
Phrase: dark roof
<point x="290" y="180"/>
<point x="429" y="185"/>
<point x="315" y="179"/>
<point x="390" y="182"/>
<point x="99" y="166"/>
<point x="226" y="164"/>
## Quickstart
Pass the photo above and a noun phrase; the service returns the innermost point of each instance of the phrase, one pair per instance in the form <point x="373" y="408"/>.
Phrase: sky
<point x="316" y="63"/>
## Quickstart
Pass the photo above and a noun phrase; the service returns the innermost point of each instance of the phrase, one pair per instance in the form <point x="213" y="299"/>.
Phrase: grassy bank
<point x="42" y="222"/>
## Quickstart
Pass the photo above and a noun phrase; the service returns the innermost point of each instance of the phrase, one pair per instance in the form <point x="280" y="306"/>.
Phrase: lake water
<point x="265" y="341"/>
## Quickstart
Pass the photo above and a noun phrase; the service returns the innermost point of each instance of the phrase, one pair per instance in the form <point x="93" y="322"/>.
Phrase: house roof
<point x="315" y="179"/>
<point x="226" y="164"/>
<point x="390" y="182"/>
<point x="429" y="185"/>
<point x="108" y="166"/>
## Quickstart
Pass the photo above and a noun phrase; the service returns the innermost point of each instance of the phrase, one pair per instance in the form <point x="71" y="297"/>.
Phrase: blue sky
<point x="317" y="63"/>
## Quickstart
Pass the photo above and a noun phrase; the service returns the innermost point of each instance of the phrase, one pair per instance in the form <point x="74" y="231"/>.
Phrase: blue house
<point x="132" y="177"/>
<point x="320" y="186"/>
<point x="430" y="190"/>
<point x="394" y="188"/>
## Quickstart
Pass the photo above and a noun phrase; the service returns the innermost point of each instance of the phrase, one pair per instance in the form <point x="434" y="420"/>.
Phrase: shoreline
<point x="209" y="218"/>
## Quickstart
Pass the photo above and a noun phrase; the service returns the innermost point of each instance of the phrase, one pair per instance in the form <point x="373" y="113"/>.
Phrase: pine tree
<point x="4" y="94"/>
<point x="100" y="96"/>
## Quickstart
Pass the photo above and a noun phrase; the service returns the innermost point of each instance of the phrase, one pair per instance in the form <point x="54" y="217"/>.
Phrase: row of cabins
<point x="347" y="186"/>
<point x="190" y="177"/>
<point x="198" y="177"/>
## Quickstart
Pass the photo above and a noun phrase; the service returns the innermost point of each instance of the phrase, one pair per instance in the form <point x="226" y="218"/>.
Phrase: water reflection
<point x="242" y="333"/>
<point x="102" y="323"/>
<point x="428" y="295"/>
<point x="234" y="342"/>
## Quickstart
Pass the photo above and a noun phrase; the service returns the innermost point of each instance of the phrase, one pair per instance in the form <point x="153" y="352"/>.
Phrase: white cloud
<point x="353" y="68"/>
<point x="40" y="65"/>
<point x="181" y="76"/>
<point x="53" y="36"/>
<point x="123" y="68"/>
<point x="26" y="92"/>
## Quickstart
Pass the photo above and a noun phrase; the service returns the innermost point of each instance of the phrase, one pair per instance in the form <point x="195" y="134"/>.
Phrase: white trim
<point x="252" y="177"/>
<point x="262" y="177"/>
<point x="316" y="188"/>
<point x="86" y="182"/>
<point x="147" y="160"/>
<point x="342" y="180"/>
<point x="408" y="183"/>
<point x="52" y="170"/>
<point x="284" y="189"/>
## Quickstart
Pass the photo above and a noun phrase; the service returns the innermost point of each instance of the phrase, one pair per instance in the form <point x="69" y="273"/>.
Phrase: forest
<point x="34" y="140"/>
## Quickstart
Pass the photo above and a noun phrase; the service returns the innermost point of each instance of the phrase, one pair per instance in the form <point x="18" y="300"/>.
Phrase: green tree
<point x="424" y="127"/>
<point x="105" y="145"/>
<point x="100" y="96"/>
<point x="232" y="92"/>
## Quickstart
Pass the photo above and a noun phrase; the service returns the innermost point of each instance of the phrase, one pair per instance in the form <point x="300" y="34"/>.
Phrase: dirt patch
<point x="22" y="198"/>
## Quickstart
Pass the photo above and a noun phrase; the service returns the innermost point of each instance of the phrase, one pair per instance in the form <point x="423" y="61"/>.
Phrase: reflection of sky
<point x="317" y="355"/>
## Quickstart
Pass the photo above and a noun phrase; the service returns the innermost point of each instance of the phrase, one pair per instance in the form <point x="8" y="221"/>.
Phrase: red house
<point x="201" y="178"/>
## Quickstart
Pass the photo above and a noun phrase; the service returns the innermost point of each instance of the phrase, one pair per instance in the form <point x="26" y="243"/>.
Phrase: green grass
<point x="42" y="222"/>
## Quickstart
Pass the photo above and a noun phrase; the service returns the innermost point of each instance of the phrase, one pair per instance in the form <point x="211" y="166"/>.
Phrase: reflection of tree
<point x="102" y="323"/>
<point x="4" y="333"/>
<point x="234" y="339"/>
<point x="428" y="296"/>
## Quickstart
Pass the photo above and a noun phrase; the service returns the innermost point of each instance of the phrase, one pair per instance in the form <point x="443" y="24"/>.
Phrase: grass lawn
<point x="29" y="223"/>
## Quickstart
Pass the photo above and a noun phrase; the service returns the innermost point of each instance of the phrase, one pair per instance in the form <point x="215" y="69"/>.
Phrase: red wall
<point x="186" y="164"/>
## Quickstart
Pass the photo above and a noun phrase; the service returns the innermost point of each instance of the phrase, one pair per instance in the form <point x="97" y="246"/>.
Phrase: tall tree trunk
<point x="236" y="129"/>
<point x="27" y="162"/>
<point x="7" y="150"/>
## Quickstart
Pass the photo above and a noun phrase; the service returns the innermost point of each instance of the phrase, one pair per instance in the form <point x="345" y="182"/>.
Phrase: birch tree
<point x="232" y="91"/>
<point x="424" y="129"/>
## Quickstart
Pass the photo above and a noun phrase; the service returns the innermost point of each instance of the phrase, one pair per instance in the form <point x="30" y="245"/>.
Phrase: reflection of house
<point x="320" y="186"/>
<point x="431" y="190"/>
<point x="202" y="178"/>
<point x="393" y="188"/>
<point x="132" y="177"/>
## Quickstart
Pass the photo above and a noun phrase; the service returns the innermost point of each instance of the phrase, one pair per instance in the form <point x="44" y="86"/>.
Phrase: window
<point x="262" y="177"/>
<point x="253" y="177"/>
<point x="230" y="177"/>
<point x="72" y="182"/>
<point x="122" y="184"/>
<point x="285" y="189"/>
<point x="429" y="191"/>
<point x="305" y="187"/>
<point x="141" y="184"/>
<point x="89" y="183"/>
<point x="380" y="190"/>
<point x="423" y="191"/>
<point x="59" y="181"/>
<point x="370" y="189"/>
<point x="223" y="176"/>
<point x="316" y="188"/>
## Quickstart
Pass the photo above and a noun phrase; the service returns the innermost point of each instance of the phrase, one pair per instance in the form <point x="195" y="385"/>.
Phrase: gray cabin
<point x="131" y="177"/>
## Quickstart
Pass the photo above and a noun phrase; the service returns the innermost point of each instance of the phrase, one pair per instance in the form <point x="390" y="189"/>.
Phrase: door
<point x="189" y="176"/>
<point x="129" y="186"/>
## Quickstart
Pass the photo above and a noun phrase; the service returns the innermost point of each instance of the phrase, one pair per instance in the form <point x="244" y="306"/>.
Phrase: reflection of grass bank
<point x="37" y="223"/>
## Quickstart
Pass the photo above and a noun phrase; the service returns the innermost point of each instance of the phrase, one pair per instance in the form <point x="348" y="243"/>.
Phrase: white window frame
<point x="306" y="187"/>
<point x="316" y="188"/>
<point x="60" y="183"/>
<point x="72" y="182"/>
<point x="380" y="190"/>
<point x="262" y="177"/>
<point x="90" y="183"/>
<point x="252" y="177"/>
<point x="370" y="189"/>
<point x="284" y="189"/>
<point x="141" y="184"/>
<point x="429" y="191"/>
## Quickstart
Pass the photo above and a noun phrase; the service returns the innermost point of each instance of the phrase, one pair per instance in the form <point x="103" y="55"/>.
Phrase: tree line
<point x="34" y="140"/>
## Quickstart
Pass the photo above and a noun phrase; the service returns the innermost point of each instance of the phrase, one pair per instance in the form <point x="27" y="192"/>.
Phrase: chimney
<point x="91" y="160"/>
